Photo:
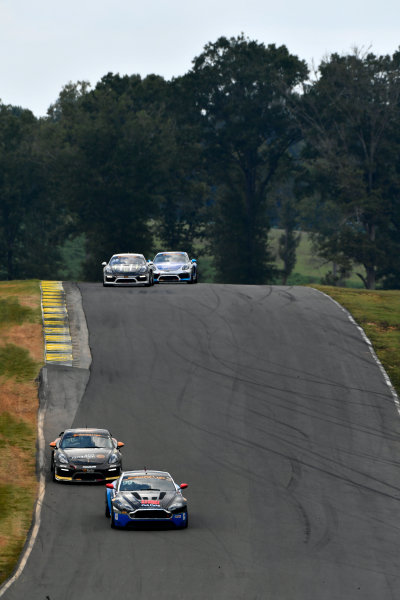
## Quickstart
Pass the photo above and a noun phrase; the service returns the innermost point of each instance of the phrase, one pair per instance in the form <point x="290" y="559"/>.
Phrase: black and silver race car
<point x="86" y="455"/>
<point x="128" y="269"/>
<point x="146" y="497"/>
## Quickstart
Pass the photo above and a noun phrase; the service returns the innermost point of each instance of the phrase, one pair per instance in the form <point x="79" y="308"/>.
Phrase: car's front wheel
<point x="112" y="520"/>
<point x="107" y="511"/>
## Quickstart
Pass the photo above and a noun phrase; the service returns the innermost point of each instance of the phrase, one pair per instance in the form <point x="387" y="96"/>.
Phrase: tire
<point x="113" y="526"/>
<point x="53" y="469"/>
<point x="107" y="511"/>
<point x="191" y="280"/>
<point x="196" y="279"/>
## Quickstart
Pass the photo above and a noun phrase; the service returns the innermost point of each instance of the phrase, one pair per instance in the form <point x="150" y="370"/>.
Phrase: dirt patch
<point x="19" y="399"/>
<point x="27" y="335"/>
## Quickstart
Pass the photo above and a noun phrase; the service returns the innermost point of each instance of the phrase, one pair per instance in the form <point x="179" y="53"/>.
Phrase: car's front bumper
<point x="83" y="474"/>
<point x="172" y="276"/>
<point x="141" y="279"/>
<point x="150" y="516"/>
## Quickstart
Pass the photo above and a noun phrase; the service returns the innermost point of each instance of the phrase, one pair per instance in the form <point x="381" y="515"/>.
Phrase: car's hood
<point x="151" y="499"/>
<point x="169" y="266"/>
<point x="125" y="268"/>
<point x="84" y="456"/>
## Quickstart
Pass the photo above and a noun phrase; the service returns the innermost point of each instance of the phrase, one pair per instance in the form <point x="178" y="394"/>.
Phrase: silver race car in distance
<point x="128" y="269"/>
<point x="175" y="267"/>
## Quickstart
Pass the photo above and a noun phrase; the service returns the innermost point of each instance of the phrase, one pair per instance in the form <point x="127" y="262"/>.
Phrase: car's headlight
<point x="108" y="270"/>
<point x="143" y="270"/>
<point x="176" y="507"/>
<point x="120" y="507"/>
<point x="185" y="267"/>
<point x="62" y="458"/>
<point x="113" y="458"/>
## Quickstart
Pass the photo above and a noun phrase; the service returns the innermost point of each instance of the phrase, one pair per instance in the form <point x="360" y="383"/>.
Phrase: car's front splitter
<point x="123" y="520"/>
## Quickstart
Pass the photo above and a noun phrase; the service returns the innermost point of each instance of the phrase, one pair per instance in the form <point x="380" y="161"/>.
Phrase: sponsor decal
<point x="150" y="503"/>
<point x="82" y="456"/>
<point x="145" y="477"/>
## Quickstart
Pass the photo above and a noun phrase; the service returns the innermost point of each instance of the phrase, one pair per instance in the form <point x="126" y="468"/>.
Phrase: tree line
<point x="210" y="161"/>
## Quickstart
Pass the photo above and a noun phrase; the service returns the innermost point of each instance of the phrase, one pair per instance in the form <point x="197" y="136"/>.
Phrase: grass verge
<point x="378" y="313"/>
<point x="21" y="356"/>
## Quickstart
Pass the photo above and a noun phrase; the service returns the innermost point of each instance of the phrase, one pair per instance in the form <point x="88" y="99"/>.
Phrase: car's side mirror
<point x="103" y="264"/>
<point x="109" y="486"/>
<point x="194" y="260"/>
<point x="53" y="445"/>
<point x="183" y="486"/>
<point x="120" y="444"/>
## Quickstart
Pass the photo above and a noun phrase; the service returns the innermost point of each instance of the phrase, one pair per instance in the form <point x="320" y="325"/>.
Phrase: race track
<point x="268" y="403"/>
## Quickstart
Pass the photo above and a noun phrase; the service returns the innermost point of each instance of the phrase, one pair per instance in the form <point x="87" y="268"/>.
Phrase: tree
<point x="350" y="119"/>
<point x="289" y="239"/>
<point x="115" y="144"/>
<point x="30" y="221"/>
<point x="237" y="88"/>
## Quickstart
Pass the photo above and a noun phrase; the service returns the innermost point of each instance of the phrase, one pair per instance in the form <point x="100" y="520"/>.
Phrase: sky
<point x="45" y="45"/>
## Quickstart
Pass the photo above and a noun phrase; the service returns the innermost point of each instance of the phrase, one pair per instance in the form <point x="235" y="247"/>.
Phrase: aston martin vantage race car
<point x="128" y="269"/>
<point x="146" y="497"/>
<point x="86" y="455"/>
<point x="174" y="267"/>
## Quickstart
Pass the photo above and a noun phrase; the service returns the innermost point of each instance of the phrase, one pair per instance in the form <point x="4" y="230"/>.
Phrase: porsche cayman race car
<point x="146" y="497"/>
<point x="86" y="455"/>
<point x="174" y="267"/>
<point x="127" y="269"/>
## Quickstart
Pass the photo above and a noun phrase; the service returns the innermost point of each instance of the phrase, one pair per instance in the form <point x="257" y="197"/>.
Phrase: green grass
<point x="378" y="313"/>
<point x="17" y="362"/>
<point x="10" y="497"/>
<point x="16" y="432"/>
<point x="19" y="308"/>
<point x="11" y="312"/>
<point x="20" y="288"/>
<point x="17" y="500"/>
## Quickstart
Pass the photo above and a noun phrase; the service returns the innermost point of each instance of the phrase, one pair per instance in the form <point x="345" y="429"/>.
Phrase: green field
<point x="21" y="356"/>
<point x="378" y="313"/>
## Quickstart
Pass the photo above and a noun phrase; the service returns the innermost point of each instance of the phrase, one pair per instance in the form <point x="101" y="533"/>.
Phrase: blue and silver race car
<point x="146" y="497"/>
<point x="175" y="267"/>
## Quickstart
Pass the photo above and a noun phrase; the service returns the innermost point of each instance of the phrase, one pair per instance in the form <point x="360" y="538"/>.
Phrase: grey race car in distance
<point x="175" y="267"/>
<point x="86" y="454"/>
<point x="127" y="269"/>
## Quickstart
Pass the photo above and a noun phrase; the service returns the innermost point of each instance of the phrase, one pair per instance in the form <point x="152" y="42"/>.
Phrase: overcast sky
<point x="45" y="44"/>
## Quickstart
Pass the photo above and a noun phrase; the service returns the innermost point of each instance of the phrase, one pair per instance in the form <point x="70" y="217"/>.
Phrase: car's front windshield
<point x="86" y="440"/>
<point x="171" y="257"/>
<point x="136" y="483"/>
<point x="135" y="261"/>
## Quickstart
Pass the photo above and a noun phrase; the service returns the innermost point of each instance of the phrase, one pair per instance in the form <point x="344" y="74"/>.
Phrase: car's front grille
<point x="92" y="476"/>
<point x="168" y="278"/>
<point x="123" y="280"/>
<point x="150" y="514"/>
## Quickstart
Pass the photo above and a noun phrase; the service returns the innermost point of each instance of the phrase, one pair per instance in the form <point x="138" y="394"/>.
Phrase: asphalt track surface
<point x="268" y="403"/>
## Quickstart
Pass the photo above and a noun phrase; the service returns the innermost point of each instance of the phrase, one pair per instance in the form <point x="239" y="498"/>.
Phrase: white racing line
<point x="371" y="349"/>
<point x="62" y="354"/>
